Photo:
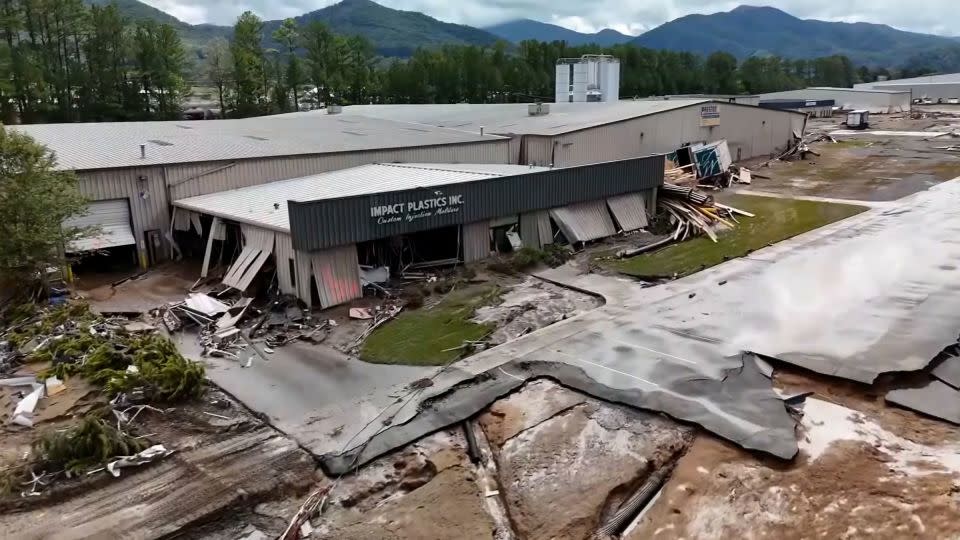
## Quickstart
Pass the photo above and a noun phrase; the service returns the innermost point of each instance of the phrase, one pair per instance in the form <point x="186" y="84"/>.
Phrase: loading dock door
<point x="630" y="211"/>
<point x="582" y="222"/>
<point x="113" y="219"/>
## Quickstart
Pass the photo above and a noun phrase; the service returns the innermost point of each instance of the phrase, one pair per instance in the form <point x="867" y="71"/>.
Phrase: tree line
<point x="63" y="61"/>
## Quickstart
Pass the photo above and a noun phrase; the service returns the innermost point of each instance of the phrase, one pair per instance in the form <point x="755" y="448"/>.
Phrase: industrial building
<point x="133" y="171"/>
<point x="816" y="108"/>
<point x="592" y="78"/>
<point x="936" y="88"/>
<point x="319" y="233"/>
<point x="742" y="99"/>
<point x="567" y="134"/>
<point x="876" y="101"/>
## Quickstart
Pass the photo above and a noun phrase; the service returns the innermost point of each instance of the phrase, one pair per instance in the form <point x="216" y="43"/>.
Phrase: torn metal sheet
<point x="234" y="314"/>
<point x="935" y="399"/>
<point x="740" y="405"/>
<point x="157" y="451"/>
<point x="873" y="294"/>
<point x="948" y="371"/>
<point x="205" y="304"/>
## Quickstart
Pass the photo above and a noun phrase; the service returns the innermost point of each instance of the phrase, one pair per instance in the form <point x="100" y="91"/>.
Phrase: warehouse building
<point x="567" y="134"/>
<point x="849" y="99"/>
<point x="936" y="88"/>
<point x="323" y="235"/>
<point x="815" y="108"/>
<point x="742" y="99"/>
<point x="132" y="172"/>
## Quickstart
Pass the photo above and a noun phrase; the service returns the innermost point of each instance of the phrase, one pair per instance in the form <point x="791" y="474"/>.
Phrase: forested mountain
<point x="523" y="29"/>
<point x="392" y="32"/>
<point x="757" y="31"/>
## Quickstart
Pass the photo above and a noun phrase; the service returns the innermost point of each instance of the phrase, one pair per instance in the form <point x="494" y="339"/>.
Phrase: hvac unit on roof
<point x="538" y="109"/>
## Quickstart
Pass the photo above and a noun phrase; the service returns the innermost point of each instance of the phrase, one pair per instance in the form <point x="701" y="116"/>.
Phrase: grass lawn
<point x="418" y="337"/>
<point x="776" y="219"/>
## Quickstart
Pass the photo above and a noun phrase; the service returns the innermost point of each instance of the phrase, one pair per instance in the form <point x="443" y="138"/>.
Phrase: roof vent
<point x="160" y="143"/>
<point x="538" y="109"/>
<point x="334" y="109"/>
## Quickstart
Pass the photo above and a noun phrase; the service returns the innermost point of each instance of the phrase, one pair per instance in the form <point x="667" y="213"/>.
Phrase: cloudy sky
<point x="627" y="16"/>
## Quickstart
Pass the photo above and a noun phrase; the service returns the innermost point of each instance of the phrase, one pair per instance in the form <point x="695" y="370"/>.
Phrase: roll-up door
<point x="583" y="222"/>
<point x="113" y="219"/>
<point x="630" y="210"/>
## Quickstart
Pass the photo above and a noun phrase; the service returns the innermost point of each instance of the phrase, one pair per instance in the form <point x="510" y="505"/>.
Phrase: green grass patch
<point x="776" y="219"/>
<point x="420" y="336"/>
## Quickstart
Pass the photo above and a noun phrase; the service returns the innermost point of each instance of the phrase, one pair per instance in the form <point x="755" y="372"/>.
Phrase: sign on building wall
<point x="709" y="115"/>
<point x="410" y="211"/>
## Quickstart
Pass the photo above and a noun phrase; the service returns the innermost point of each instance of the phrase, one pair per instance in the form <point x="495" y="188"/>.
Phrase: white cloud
<point x="628" y="16"/>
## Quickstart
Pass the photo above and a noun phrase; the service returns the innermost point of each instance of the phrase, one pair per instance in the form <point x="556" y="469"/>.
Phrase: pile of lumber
<point x="680" y="175"/>
<point x="694" y="212"/>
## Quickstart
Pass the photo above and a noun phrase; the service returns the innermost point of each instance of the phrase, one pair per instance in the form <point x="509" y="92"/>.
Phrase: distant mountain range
<point x="748" y="31"/>
<point x="745" y="31"/>
<point x="521" y="29"/>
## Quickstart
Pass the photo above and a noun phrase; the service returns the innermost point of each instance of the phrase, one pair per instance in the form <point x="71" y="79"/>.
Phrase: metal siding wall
<point x="742" y="127"/>
<point x="148" y="212"/>
<point x="515" y="144"/>
<point x="322" y="224"/>
<point x="283" y="253"/>
<point x="337" y="273"/>
<point x="184" y="181"/>
<point x="476" y="241"/>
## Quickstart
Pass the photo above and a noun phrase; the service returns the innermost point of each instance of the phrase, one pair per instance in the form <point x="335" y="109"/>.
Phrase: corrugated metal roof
<point x="945" y="78"/>
<point x="266" y="204"/>
<point x="513" y="118"/>
<point x="117" y="144"/>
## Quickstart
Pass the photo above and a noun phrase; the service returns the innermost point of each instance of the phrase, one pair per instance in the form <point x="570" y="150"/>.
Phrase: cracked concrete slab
<point x="739" y="405"/>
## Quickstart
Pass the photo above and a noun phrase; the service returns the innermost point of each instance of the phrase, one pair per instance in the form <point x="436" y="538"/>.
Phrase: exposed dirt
<point x="855" y="477"/>
<point x="161" y="285"/>
<point x="862" y="168"/>
<point x="583" y="459"/>
<point x="427" y="490"/>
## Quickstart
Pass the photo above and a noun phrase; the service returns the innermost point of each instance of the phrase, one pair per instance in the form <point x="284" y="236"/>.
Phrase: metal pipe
<point x="473" y="450"/>
<point x="634" y="504"/>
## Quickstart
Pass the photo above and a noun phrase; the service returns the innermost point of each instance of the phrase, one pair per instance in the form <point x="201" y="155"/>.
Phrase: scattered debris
<point x="148" y="455"/>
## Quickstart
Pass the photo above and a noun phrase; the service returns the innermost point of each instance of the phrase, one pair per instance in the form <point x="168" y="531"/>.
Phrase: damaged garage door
<point x="583" y="222"/>
<point x="258" y="245"/>
<point x="630" y="211"/>
<point x="113" y="220"/>
<point x="337" y="274"/>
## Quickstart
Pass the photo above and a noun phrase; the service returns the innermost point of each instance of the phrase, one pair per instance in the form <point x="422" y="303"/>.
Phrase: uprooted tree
<point x="35" y="199"/>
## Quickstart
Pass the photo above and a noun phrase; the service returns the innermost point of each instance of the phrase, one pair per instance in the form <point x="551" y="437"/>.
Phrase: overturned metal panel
<point x="258" y="245"/>
<point x="286" y="258"/>
<point x="337" y="274"/>
<point x="585" y="221"/>
<point x="936" y="399"/>
<point x="476" y="241"/>
<point x="630" y="211"/>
